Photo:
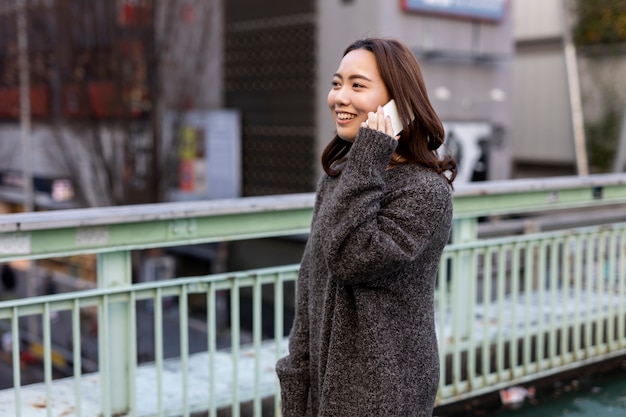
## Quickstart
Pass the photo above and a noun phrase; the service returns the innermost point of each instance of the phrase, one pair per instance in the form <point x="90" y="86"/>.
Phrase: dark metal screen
<point x="270" y="50"/>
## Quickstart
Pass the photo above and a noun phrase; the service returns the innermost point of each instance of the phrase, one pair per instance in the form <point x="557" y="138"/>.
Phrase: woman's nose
<point x="341" y="97"/>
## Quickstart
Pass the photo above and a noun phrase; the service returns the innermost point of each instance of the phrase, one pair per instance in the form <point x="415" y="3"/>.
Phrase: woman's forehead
<point x="359" y="61"/>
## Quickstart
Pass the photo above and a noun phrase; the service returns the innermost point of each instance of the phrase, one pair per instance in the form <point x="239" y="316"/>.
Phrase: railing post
<point x="464" y="230"/>
<point x="114" y="270"/>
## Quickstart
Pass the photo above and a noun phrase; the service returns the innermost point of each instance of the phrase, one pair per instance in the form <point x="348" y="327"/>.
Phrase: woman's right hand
<point x="378" y="121"/>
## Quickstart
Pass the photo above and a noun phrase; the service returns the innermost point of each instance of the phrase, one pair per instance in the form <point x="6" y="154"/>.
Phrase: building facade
<point x="280" y="56"/>
<point x="497" y="74"/>
<point x="543" y="134"/>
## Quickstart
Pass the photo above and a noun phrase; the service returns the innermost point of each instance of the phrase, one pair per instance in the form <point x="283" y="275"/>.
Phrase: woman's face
<point x="357" y="89"/>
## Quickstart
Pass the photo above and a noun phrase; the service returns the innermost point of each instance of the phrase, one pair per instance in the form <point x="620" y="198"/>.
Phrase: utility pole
<point x="25" y="121"/>
<point x="573" y="83"/>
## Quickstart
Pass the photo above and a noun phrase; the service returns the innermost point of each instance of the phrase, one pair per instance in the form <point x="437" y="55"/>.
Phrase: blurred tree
<point x="600" y="32"/>
<point x="600" y="22"/>
<point x="109" y="71"/>
<point x="602" y="137"/>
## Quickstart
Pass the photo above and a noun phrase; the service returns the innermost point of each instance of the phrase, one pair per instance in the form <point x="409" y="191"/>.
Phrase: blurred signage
<point x="192" y="163"/>
<point x="59" y="189"/>
<point x="209" y="153"/>
<point x="492" y="10"/>
<point x="469" y="143"/>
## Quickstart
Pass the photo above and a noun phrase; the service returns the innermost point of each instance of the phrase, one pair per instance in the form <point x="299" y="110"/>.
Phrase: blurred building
<point x="100" y="73"/>
<point x="546" y="92"/>
<point x="280" y="56"/>
<point x="498" y="72"/>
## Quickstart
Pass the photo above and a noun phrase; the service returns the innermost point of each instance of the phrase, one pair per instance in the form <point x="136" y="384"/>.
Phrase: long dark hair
<point x="421" y="137"/>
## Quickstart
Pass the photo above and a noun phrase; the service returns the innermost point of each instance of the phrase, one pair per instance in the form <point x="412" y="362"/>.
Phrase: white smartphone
<point x="391" y="110"/>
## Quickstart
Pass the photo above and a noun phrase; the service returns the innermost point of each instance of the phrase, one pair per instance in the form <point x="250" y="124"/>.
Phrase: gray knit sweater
<point x="363" y="341"/>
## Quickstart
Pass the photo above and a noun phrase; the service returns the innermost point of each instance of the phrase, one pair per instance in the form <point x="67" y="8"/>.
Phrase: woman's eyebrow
<point x="353" y="77"/>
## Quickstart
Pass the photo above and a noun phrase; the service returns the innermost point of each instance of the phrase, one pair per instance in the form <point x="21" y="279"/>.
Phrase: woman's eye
<point x="335" y="83"/>
<point x="357" y="85"/>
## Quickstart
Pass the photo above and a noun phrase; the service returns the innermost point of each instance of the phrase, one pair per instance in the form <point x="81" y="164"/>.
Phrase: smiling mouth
<point x="345" y="116"/>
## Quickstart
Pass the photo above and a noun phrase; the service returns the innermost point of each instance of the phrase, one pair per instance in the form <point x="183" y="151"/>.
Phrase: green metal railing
<point x="532" y="306"/>
<point x="510" y="309"/>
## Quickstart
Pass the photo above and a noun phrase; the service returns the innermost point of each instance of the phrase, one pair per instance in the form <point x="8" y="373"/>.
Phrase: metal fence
<point x="532" y="306"/>
<point x="509" y="308"/>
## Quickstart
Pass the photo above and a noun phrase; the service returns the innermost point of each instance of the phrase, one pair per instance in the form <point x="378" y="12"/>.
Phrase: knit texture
<point x="363" y="340"/>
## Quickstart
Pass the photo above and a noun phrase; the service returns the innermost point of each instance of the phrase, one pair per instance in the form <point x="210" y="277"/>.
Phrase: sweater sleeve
<point x="370" y="230"/>
<point x="293" y="370"/>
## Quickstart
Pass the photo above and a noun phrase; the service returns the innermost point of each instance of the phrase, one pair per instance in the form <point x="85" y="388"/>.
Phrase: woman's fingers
<point x="389" y="127"/>
<point x="378" y="121"/>
<point x="372" y="121"/>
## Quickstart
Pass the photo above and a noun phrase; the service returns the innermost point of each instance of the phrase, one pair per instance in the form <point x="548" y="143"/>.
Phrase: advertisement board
<point x="209" y="153"/>
<point x="489" y="10"/>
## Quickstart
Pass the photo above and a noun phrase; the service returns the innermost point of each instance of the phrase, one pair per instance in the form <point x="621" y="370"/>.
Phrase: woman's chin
<point x="347" y="136"/>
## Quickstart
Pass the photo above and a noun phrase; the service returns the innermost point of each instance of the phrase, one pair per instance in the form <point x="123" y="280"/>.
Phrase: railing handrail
<point x="538" y="194"/>
<point x="86" y="294"/>
<point x="91" y="230"/>
<point x="540" y="184"/>
<point x="96" y="216"/>
<point x="463" y="193"/>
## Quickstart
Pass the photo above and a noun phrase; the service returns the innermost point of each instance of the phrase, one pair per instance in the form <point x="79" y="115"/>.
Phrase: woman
<point x="363" y="341"/>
